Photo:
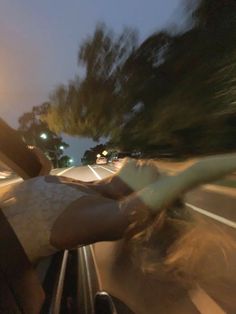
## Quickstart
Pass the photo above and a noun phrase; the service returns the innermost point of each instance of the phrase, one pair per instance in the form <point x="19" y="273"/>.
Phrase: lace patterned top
<point x="32" y="207"/>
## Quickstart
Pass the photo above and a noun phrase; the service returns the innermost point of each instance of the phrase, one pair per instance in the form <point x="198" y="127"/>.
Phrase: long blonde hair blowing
<point x="188" y="250"/>
<point x="178" y="245"/>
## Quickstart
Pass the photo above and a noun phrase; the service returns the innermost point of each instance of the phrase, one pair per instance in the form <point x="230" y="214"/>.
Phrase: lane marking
<point x="107" y="169"/>
<point x="225" y="190"/>
<point x="204" y="303"/>
<point x="95" y="173"/>
<point x="63" y="171"/>
<point x="213" y="216"/>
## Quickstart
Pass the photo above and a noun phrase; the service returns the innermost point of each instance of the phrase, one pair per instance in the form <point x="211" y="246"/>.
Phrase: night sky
<point x="40" y="41"/>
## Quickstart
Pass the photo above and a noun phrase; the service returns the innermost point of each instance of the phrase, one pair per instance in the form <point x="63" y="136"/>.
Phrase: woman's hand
<point x="133" y="176"/>
<point x="137" y="174"/>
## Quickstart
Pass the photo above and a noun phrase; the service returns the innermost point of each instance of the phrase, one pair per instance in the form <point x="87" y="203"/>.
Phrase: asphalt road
<point x="139" y="291"/>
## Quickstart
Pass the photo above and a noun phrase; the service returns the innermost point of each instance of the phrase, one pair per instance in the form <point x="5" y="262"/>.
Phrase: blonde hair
<point x="177" y="245"/>
<point x="182" y="247"/>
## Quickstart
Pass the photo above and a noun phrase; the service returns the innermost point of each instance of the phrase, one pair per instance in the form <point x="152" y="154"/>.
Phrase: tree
<point x="173" y="92"/>
<point x="64" y="161"/>
<point x="90" y="155"/>
<point x="86" y="107"/>
<point x="37" y="133"/>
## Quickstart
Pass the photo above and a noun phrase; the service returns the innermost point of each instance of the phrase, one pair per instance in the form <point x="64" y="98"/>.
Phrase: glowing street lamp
<point x="98" y="155"/>
<point x="44" y="136"/>
<point x="71" y="160"/>
<point x="105" y="153"/>
<point x="54" y="151"/>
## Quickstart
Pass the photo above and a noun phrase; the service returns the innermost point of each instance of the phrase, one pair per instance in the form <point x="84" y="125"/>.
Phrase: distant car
<point x="101" y="161"/>
<point x="118" y="160"/>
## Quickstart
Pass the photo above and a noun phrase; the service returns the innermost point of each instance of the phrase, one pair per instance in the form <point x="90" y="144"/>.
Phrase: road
<point x="121" y="279"/>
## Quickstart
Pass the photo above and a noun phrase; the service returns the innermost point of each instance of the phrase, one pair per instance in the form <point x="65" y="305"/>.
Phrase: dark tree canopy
<point x="37" y="133"/>
<point x="173" y="92"/>
<point x="90" y="155"/>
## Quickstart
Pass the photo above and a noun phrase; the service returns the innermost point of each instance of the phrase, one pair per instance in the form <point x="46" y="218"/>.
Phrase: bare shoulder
<point x="70" y="182"/>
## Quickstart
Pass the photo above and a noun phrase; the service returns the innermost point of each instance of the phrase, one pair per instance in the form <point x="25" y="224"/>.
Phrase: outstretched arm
<point x="87" y="220"/>
<point x="95" y="218"/>
<point x="163" y="192"/>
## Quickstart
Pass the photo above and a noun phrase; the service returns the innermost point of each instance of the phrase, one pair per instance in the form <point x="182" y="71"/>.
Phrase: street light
<point x="71" y="160"/>
<point x="98" y="155"/>
<point x="105" y="153"/>
<point x="44" y="136"/>
<point x="54" y="151"/>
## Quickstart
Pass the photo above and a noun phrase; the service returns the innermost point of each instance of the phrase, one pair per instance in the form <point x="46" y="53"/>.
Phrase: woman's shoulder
<point x="70" y="182"/>
<point x="44" y="185"/>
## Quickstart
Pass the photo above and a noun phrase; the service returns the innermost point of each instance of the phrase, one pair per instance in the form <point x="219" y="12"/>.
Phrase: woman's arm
<point x="103" y="217"/>
<point x="163" y="192"/>
<point x="87" y="220"/>
<point x="95" y="218"/>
